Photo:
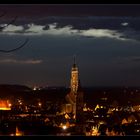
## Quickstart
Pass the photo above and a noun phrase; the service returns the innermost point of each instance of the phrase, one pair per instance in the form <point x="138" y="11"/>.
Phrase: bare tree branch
<point x="12" y="21"/>
<point x="15" y="49"/>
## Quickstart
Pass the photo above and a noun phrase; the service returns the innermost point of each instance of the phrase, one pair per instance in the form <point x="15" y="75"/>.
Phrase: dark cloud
<point x="106" y="48"/>
<point x="124" y="27"/>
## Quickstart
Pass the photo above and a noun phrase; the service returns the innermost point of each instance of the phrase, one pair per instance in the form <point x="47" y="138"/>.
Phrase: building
<point x="5" y="105"/>
<point x="5" y="109"/>
<point x="75" y="99"/>
<point x="66" y="108"/>
<point x="71" y="96"/>
<point x="74" y="78"/>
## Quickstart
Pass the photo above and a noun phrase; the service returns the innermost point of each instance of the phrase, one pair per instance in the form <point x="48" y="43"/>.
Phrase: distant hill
<point x="92" y="96"/>
<point x="14" y="87"/>
<point x="13" y="91"/>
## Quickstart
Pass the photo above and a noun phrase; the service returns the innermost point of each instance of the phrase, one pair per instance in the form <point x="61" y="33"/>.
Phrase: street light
<point x="39" y="104"/>
<point x="9" y="104"/>
<point x="64" y="127"/>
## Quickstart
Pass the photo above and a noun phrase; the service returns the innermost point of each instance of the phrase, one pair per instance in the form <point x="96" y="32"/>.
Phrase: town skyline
<point x="69" y="70"/>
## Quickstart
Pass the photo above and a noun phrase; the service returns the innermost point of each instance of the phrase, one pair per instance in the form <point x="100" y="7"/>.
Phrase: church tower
<point x="71" y="96"/>
<point x="74" y="77"/>
<point x="75" y="99"/>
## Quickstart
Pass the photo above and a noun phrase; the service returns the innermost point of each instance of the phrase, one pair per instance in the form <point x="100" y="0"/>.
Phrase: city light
<point x="52" y="95"/>
<point x="39" y="104"/>
<point x="10" y="104"/>
<point x="4" y="105"/>
<point x="18" y="133"/>
<point x="35" y="88"/>
<point x="64" y="127"/>
<point x="5" y="108"/>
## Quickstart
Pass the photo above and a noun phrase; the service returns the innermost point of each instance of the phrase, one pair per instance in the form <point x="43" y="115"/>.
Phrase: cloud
<point x="12" y="28"/>
<point x="124" y="23"/>
<point x="102" y="33"/>
<point x="33" y="29"/>
<point x="15" y="61"/>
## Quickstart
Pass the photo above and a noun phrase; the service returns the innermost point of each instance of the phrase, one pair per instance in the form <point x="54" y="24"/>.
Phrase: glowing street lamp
<point x="18" y="133"/>
<point x="64" y="127"/>
<point x="34" y="88"/>
<point x="39" y="104"/>
<point x="20" y="103"/>
<point x="9" y="104"/>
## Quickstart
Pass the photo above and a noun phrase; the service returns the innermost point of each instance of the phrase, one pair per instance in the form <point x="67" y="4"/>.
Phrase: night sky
<point x="104" y="38"/>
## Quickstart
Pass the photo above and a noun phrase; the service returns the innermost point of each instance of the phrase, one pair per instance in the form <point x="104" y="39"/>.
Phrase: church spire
<point x="74" y="61"/>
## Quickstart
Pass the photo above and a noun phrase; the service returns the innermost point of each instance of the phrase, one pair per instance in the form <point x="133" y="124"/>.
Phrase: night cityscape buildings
<point x="35" y="113"/>
<point x="41" y="93"/>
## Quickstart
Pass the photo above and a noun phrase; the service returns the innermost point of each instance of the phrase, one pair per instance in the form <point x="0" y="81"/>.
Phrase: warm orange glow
<point x="39" y="104"/>
<point x="97" y="106"/>
<point x="20" y="103"/>
<point x="5" y="105"/>
<point x="9" y="105"/>
<point x="67" y="116"/>
<point x="4" y="108"/>
<point x="64" y="127"/>
<point x="18" y="133"/>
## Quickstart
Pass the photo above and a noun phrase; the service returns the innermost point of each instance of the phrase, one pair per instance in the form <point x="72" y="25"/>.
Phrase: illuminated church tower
<point x="74" y="78"/>
<point x="75" y="100"/>
<point x="71" y="97"/>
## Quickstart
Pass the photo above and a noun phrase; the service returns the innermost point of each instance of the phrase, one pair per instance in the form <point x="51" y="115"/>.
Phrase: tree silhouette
<point x="3" y="27"/>
<point x="15" y="49"/>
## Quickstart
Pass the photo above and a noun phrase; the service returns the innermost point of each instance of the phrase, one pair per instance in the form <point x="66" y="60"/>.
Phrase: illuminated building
<point x="5" y="108"/>
<point x="74" y="78"/>
<point x="66" y="108"/>
<point x="18" y="133"/>
<point x="5" y="105"/>
<point x="75" y="99"/>
<point x="71" y="97"/>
